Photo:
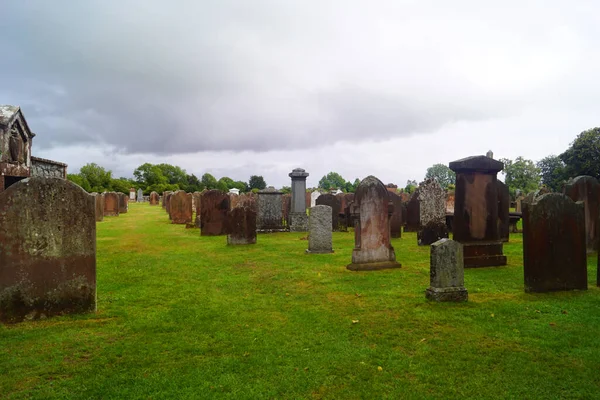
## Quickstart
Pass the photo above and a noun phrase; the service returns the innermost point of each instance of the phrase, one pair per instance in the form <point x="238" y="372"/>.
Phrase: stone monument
<point x="140" y="195"/>
<point x="213" y="213"/>
<point x="180" y="206"/>
<point x="446" y="272"/>
<point x="587" y="189"/>
<point x="241" y="226"/>
<point x="319" y="225"/>
<point x="111" y="204"/>
<point x="432" y="212"/>
<point x="298" y="218"/>
<point x="270" y="211"/>
<point x="396" y="219"/>
<point x="332" y="201"/>
<point x="154" y="198"/>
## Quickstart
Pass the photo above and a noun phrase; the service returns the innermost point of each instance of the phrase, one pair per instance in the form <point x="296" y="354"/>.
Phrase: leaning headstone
<point x="214" y="209"/>
<point x="503" y="211"/>
<point x="432" y="213"/>
<point x="111" y="204"/>
<point x="446" y="272"/>
<point x="371" y="212"/>
<point x="319" y="230"/>
<point x="475" y="222"/>
<point x="47" y="250"/>
<point x="140" y="195"/>
<point x="554" y="247"/>
<point x="413" y="213"/>
<point x="396" y="219"/>
<point x="587" y="189"/>
<point x="123" y="203"/>
<point x="332" y="201"/>
<point x="298" y="218"/>
<point x="153" y="199"/>
<point x="241" y="226"/>
<point x="98" y="206"/>
<point x="270" y="211"/>
<point x="180" y="206"/>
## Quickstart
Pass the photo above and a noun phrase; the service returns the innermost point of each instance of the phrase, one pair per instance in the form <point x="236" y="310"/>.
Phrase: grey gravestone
<point x="140" y="195"/>
<point x="446" y="272"/>
<point x="298" y="218"/>
<point x="319" y="225"/>
<point x="432" y="212"/>
<point x="270" y="211"/>
<point x="503" y="211"/>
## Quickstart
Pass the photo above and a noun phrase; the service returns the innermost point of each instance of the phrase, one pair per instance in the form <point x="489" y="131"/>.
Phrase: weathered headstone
<point x="345" y="214"/>
<point x="432" y="213"/>
<point x="475" y="223"/>
<point x="154" y="199"/>
<point x="371" y="212"/>
<point x="396" y="218"/>
<point x="332" y="201"/>
<point x="123" y="203"/>
<point x="298" y="218"/>
<point x="446" y="272"/>
<point x="518" y="202"/>
<point x="140" y="195"/>
<point x="413" y="213"/>
<point x="111" y="204"/>
<point x="213" y="213"/>
<point x="98" y="206"/>
<point x="503" y="211"/>
<point x="197" y="200"/>
<point x="270" y="211"/>
<point x="587" y="189"/>
<point x="319" y="226"/>
<point x="554" y="247"/>
<point x="313" y="197"/>
<point x="180" y="206"/>
<point x="47" y="250"/>
<point x="168" y="203"/>
<point x="132" y="194"/>
<point x="241" y="226"/>
<point x="286" y="206"/>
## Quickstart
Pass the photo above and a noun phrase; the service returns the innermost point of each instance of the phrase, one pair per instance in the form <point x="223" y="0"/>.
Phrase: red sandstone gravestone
<point x="332" y="201"/>
<point x="396" y="218"/>
<point x="47" y="249"/>
<point x="123" y="203"/>
<point x="215" y="206"/>
<point x="154" y="199"/>
<point x="412" y="213"/>
<point x="587" y="189"/>
<point x="111" y="204"/>
<point x="99" y="206"/>
<point x="180" y="205"/>
<point x="241" y="226"/>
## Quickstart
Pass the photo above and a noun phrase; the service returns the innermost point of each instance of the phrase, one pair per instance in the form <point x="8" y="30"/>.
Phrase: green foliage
<point x="174" y="174"/>
<point x="257" y="182"/>
<point x="583" y="156"/>
<point x="192" y="184"/>
<point x="554" y="172"/>
<point x="521" y="174"/>
<point x="286" y="189"/>
<point x="98" y="178"/>
<point x="411" y="186"/>
<point x="209" y="181"/>
<point x="332" y="180"/>
<point x="121" y="185"/>
<point x="81" y="181"/>
<point x="444" y="175"/>
<point x="222" y="186"/>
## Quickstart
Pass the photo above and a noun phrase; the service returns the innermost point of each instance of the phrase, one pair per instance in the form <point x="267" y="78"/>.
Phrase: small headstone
<point x="180" y="206"/>
<point x="332" y="201"/>
<point x="154" y="198"/>
<point x="489" y="154"/>
<point x="319" y="226"/>
<point x="99" y="206"/>
<point x="446" y="272"/>
<point x="132" y="194"/>
<point x="241" y="226"/>
<point x="432" y="213"/>
<point x="140" y="195"/>
<point x="270" y="216"/>
<point x="554" y="248"/>
<point x="123" y="203"/>
<point x="111" y="204"/>
<point x="213" y="213"/>
<point x="168" y="203"/>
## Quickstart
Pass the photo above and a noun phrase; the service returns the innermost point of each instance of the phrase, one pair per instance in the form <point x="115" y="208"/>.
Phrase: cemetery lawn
<point x="184" y="316"/>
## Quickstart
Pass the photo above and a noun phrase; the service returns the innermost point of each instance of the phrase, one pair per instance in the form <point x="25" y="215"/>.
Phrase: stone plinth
<point x="47" y="250"/>
<point x="319" y="235"/>
<point x="298" y="219"/>
<point x="270" y="211"/>
<point x="154" y="197"/>
<point x="587" y="189"/>
<point x="371" y="211"/>
<point x="432" y="212"/>
<point x="332" y="201"/>
<point x="554" y="247"/>
<point x="503" y="211"/>
<point x="180" y="206"/>
<point x="241" y="226"/>
<point x="111" y="204"/>
<point x="396" y="218"/>
<point x="475" y="222"/>
<point x="213" y="218"/>
<point x="446" y="272"/>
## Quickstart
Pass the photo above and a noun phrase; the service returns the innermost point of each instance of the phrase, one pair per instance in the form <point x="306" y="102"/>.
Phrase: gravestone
<point x="413" y="213"/>
<point x="345" y="214"/>
<point x="98" y="206"/>
<point x="197" y="200"/>
<point x="111" y="204"/>
<point x="518" y="202"/>
<point x="153" y="199"/>
<point x="270" y="211"/>
<point x="332" y="201"/>
<point x="371" y="213"/>
<point x="313" y="198"/>
<point x="286" y="206"/>
<point x="307" y="199"/>
<point x="123" y="203"/>
<point x="241" y="226"/>
<point x="432" y="212"/>
<point x="396" y="218"/>
<point x="446" y="272"/>
<point x="164" y="199"/>
<point x="298" y="218"/>
<point x="180" y="206"/>
<point x="47" y="250"/>
<point x="140" y="195"/>
<point x="319" y="230"/>
<point x="132" y="194"/>
<point x="213" y="213"/>
<point x="475" y="222"/>
<point x="342" y="221"/>
<point x="554" y="246"/>
<point x="503" y="211"/>
<point x="586" y="188"/>
<point x="449" y="202"/>
<point x="168" y="203"/>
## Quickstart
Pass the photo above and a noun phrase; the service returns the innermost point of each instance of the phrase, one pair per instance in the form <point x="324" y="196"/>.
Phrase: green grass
<point x="184" y="316"/>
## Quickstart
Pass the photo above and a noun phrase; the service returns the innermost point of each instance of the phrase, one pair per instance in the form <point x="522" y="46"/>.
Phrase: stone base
<point x="375" y="266"/>
<point x="232" y="241"/>
<point x="451" y="294"/>
<point x="308" y="251"/>
<point x="483" y="254"/>
<point x="298" y="222"/>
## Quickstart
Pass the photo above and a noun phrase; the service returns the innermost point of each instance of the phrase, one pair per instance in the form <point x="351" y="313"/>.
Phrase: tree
<point x="257" y="182"/>
<point x="411" y="186"/>
<point x="286" y="189"/>
<point x="174" y="174"/>
<point x="209" y="181"/>
<point x="332" y="180"/>
<point x="583" y="157"/>
<point x="149" y="175"/>
<point x="441" y="173"/>
<point x="98" y="178"/>
<point x="80" y="180"/>
<point x="521" y="174"/>
<point x="553" y="171"/>
<point x="192" y="184"/>
<point x="121" y="185"/>
<point x="222" y="186"/>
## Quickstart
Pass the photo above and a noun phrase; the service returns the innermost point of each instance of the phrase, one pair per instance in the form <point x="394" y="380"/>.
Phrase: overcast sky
<point x="240" y="88"/>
